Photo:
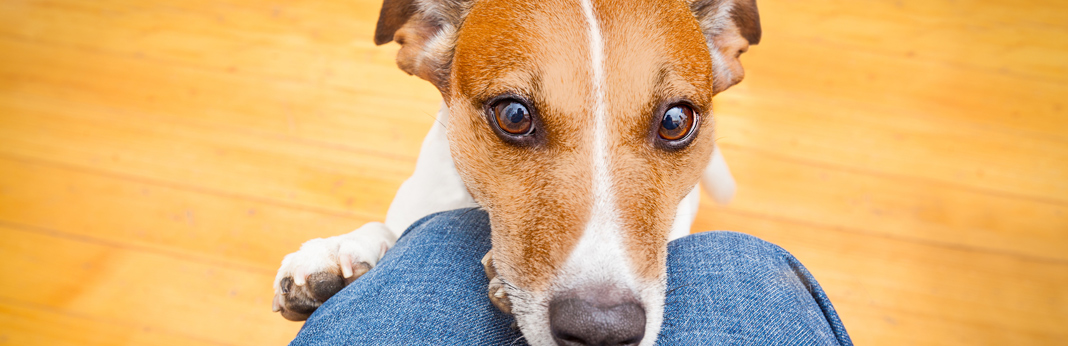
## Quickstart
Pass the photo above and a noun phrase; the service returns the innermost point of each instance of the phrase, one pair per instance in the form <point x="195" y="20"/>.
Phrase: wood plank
<point x="217" y="159"/>
<point x="907" y="88"/>
<point x="293" y="41"/>
<point x="30" y="325"/>
<point x="124" y="286"/>
<point x="865" y="138"/>
<point x="386" y="117"/>
<point x="909" y="209"/>
<point x="1018" y="38"/>
<point x="226" y="228"/>
<point x="890" y="291"/>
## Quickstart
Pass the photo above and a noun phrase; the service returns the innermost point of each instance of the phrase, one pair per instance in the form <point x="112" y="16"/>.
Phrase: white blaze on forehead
<point x="599" y="256"/>
<point x="602" y="183"/>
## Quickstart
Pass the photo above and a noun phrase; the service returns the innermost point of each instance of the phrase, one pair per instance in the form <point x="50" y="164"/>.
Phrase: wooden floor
<point x="158" y="158"/>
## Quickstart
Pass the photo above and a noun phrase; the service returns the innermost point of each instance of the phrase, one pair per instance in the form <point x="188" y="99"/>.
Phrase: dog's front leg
<point x="322" y="267"/>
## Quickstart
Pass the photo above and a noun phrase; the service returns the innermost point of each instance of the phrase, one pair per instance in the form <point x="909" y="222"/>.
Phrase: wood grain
<point x="157" y="159"/>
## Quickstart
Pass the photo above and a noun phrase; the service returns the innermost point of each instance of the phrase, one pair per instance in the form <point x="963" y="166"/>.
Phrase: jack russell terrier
<point x="582" y="127"/>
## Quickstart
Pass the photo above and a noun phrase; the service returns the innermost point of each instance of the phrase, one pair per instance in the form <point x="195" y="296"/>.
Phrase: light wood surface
<point x="158" y="158"/>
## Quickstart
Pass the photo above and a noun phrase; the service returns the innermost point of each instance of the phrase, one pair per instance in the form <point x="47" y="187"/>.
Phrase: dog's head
<point x="579" y="125"/>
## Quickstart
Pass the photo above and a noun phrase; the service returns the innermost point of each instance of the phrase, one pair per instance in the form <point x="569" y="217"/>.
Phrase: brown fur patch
<point x="539" y="198"/>
<point x="393" y="15"/>
<point x="654" y="56"/>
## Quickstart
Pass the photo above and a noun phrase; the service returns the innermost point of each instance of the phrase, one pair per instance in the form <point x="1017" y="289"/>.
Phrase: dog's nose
<point x="596" y="317"/>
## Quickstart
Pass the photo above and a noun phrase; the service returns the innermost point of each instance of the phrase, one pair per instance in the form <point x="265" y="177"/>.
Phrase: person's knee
<point x="452" y="239"/>
<point x="734" y="259"/>
<point x="443" y="223"/>
<point x="727" y="245"/>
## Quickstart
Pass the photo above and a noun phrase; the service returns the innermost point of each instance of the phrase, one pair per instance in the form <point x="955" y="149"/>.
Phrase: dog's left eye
<point x="513" y="117"/>
<point x="677" y="122"/>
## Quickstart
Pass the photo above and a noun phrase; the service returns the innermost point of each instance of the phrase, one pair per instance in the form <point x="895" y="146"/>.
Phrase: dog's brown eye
<point x="513" y="117"/>
<point x="678" y="122"/>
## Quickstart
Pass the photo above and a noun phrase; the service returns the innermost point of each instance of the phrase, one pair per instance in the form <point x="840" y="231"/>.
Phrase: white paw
<point x="322" y="267"/>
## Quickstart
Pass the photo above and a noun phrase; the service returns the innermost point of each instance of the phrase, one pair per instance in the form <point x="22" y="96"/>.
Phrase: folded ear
<point x="426" y="31"/>
<point x="730" y="26"/>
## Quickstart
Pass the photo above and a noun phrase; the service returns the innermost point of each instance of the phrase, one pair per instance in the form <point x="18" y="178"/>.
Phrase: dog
<point x="582" y="127"/>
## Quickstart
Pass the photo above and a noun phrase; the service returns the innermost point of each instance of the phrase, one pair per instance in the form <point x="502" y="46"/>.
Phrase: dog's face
<point x="582" y="190"/>
<point x="579" y="125"/>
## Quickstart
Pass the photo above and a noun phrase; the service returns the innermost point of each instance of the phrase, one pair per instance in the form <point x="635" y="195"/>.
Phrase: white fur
<point x="366" y="244"/>
<point x="434" y="186"/>
<point x="717" y="179"/>
<point x="685" y="214"/>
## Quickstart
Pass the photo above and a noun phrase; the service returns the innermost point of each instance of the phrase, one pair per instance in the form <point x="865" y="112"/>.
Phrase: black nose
<point x="601" y="317"/>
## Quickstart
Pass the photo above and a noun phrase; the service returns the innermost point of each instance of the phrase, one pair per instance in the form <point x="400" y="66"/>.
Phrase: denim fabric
<point x="724" y="288"/>
<point x="429" y="289"/>
<point x="727" y="288"/>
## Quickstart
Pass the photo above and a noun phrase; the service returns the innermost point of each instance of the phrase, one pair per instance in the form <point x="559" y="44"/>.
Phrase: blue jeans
<point x="430" y="289"/>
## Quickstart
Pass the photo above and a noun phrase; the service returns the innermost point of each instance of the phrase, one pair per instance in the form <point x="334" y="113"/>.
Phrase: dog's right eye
<point x="513" y="117"/>
<point x="677" y="123"/>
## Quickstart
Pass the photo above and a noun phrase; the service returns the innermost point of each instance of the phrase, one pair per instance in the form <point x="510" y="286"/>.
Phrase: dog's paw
<point x="497" y="296"/>
<point x="322" y="267"/>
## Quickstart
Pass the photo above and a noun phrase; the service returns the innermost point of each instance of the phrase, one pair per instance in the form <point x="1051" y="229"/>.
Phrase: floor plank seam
<point x="344" y="88"/>
<point x="897" y="177"/>
<point x="354" y="215"/>
<point x="147" y="328"/>
<point x="944" y="63"/>
<point x="265" y="270"/>
<point x="856" y="231"/>
<point x="147" y="117"/>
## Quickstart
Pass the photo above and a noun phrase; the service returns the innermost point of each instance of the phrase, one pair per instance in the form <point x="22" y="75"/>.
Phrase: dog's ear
<point x="730" y="26"/>
<point x="426" y="31"/>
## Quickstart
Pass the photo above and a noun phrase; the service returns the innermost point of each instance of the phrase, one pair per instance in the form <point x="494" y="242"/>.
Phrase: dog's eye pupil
<point x="513" y="117"/>
<point x="678" y="121"/>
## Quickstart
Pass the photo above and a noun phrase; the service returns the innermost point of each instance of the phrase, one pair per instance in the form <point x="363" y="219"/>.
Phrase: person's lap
<point x="430" y="288"/>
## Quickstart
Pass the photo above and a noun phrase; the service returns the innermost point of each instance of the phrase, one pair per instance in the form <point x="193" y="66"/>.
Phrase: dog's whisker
<point x="676" y="288"/>
<point x="670" y="303"/>
<point x="437" y="120"/>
